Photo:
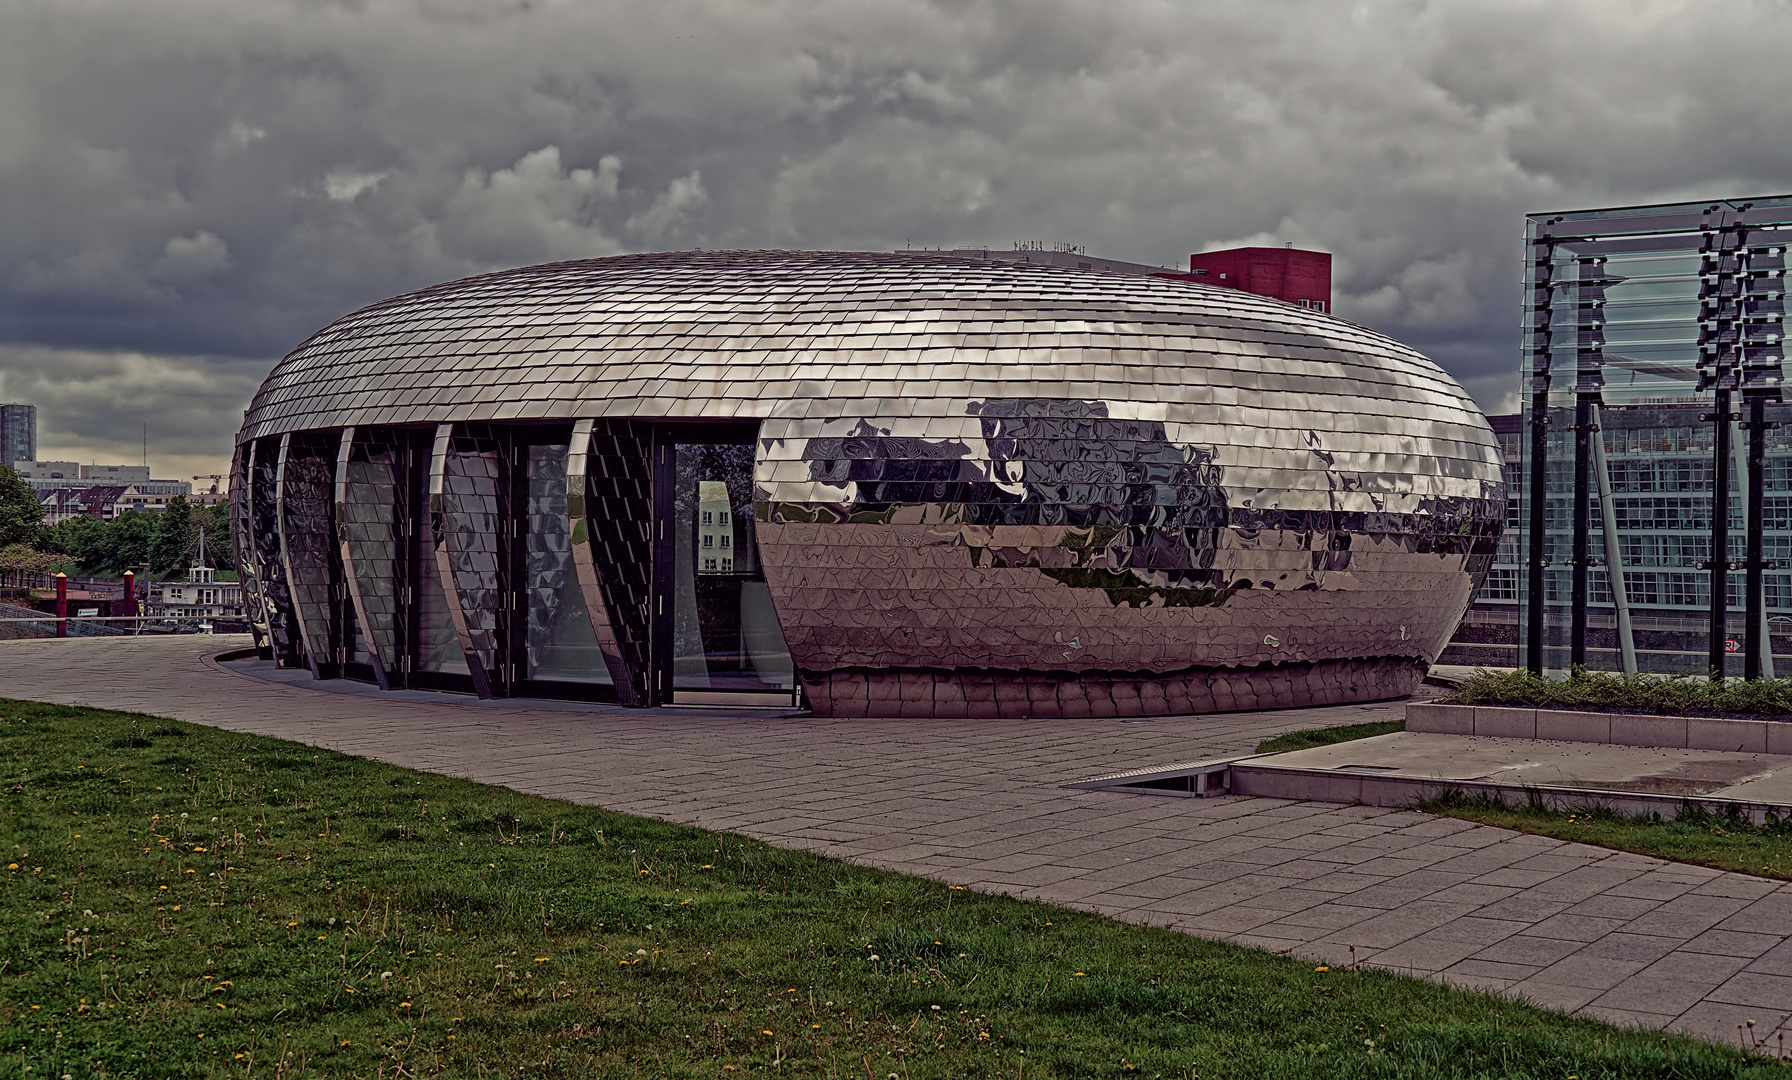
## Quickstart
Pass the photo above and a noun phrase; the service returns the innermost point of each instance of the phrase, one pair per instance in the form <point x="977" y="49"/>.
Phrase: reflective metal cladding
<point x="977" y="489"/>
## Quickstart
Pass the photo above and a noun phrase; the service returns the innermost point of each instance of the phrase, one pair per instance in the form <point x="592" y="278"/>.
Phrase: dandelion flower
<point x="1322" y="967"/>
<point x="767" y="1031"/>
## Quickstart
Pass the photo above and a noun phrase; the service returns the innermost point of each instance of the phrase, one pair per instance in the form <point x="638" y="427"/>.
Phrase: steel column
<point x="1580" y="561"/>
<point x="1539" y="514"/>
<point x="1614" y="555"/>
<point x="1720" y="533"/>
<point x="1757" y="642"/>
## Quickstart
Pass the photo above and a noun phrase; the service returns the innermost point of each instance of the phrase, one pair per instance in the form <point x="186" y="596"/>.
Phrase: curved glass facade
<point x="898" y="484"/>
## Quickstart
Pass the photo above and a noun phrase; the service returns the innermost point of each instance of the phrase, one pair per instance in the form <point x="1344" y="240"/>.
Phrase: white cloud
<point x="350" y="151"/>
<point x="535" y="210"/>
<point x="346" y="185"/>
<point x="191" y="258"/>
<point x="240" y="136"/>
<point x="673" y="209"/>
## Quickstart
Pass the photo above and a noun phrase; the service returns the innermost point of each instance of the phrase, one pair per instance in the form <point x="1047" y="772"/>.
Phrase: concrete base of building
<point x="987" y="694"/>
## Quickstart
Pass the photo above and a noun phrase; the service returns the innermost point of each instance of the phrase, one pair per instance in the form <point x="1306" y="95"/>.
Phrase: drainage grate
<point x="1197" y="779"/>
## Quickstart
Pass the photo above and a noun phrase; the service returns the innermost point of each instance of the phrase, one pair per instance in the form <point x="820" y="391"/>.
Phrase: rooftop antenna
<point x="146" y="446"/>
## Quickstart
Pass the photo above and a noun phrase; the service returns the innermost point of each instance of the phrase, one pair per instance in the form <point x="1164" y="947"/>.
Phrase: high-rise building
<point x="18" y="433"/>
<point x="1653" y="343"/>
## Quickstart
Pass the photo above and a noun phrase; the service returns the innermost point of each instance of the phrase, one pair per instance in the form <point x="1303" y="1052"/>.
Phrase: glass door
<point x="720" y="637"/>
<point x="555" y="642"/>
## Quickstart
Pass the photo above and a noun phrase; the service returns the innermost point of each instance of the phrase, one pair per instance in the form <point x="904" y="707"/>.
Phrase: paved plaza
<point x="982" y="804"/>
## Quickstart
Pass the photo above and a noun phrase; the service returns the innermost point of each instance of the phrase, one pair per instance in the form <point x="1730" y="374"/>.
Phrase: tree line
<point x="165" y="541"/>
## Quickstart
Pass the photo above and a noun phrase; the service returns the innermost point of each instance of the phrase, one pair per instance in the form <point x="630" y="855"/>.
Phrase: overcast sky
<point x="188" y="189"/>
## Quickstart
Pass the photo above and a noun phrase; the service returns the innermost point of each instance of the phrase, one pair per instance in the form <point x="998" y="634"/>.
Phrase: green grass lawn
<point x="1694" y="836"/>
<point x="185" y="902"/>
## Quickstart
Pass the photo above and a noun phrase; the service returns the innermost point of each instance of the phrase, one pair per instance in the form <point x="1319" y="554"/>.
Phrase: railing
<point x="90" y="626"/>
<point x="104" y="625"/>
<point x="1605" y="620"/>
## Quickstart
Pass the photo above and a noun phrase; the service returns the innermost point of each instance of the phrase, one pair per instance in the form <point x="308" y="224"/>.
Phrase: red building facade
<point x="1303" y="278"/>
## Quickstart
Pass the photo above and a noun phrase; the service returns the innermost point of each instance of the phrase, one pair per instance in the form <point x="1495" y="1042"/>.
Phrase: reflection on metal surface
<point x="446" y="583"/>
<point x="560" y="643"/>
<point x="372" y="509"/>
<point x="473" y="504"/>
<point x="979" y="488"/>
<point x="242" y="542"/>
<point x="307" y="532"/>
<point x="270" y="553"/>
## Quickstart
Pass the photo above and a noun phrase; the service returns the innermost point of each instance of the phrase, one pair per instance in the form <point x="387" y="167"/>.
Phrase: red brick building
<point x="1303" y="278"/>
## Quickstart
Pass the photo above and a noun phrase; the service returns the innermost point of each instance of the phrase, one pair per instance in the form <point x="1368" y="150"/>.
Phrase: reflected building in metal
<point x="900" y="484"/>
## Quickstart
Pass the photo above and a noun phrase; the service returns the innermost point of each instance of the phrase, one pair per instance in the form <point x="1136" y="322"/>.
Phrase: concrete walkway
<point x="981" y="803"/>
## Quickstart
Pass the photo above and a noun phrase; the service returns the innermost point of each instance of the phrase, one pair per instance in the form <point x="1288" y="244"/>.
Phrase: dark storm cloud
<point x="185" y="182"/>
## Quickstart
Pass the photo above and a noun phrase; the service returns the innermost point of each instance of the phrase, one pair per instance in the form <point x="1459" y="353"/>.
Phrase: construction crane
<point x="214" y="478"/>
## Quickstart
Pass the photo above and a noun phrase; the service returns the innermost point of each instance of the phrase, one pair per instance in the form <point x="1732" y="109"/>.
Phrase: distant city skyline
<point x="192" y="189"/>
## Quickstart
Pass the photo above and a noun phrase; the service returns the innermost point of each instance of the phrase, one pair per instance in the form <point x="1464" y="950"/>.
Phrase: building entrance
<point x="719" y="638"/>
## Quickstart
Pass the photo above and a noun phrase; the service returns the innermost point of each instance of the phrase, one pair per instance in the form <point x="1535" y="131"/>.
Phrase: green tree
<point x="124" y="542"/>
<point x="21" y="515"/>
<point x="79" y="538"/>
<point x="173" y="538"/>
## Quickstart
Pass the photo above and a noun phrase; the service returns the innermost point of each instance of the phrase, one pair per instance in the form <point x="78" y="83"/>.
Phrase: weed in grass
<point x="225" y="905"/>
<point x="1725" y="840"/>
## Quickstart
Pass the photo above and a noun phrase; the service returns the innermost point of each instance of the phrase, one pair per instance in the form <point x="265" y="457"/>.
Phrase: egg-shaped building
<point x="901" y="484"/>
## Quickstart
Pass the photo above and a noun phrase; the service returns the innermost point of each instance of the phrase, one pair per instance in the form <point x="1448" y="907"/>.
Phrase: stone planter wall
<point x="1621" y="729"/>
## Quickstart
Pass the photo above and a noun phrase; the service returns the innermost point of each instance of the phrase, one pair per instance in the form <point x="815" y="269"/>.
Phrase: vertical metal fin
<point x="585" y="565"/>
<point x="440" y="538"/>
<point x="299" y="615"/>
<point x="1614" y="556"/>
<point x="353" y="579"/>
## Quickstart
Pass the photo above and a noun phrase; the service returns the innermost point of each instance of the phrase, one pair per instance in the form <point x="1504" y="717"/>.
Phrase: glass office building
<point x="1653" y="350"/>
<point x="907" y="484"/>
<point x="18" y="433"/>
